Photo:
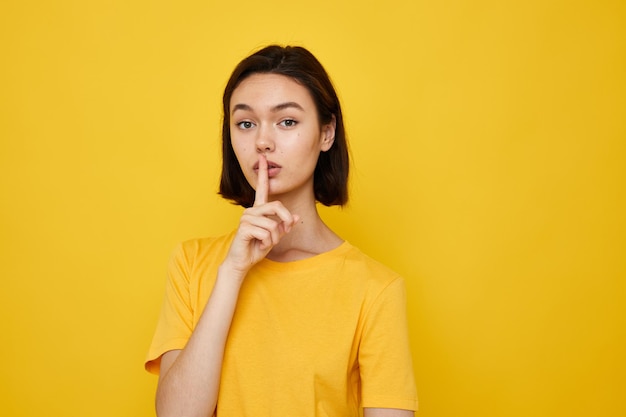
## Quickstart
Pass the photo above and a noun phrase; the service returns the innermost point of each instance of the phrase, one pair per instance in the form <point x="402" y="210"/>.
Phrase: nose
<point x="264" y="141"/>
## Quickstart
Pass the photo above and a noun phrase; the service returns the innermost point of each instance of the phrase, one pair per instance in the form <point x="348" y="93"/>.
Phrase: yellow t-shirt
<point x="322" y="336"/>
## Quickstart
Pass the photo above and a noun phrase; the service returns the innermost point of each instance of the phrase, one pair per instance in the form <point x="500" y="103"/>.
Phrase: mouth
<point x="273" y="169"/>
<point x="270" y="165"/>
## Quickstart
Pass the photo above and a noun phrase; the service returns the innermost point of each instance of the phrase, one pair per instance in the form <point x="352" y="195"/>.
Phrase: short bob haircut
<point x="330" y="178"/>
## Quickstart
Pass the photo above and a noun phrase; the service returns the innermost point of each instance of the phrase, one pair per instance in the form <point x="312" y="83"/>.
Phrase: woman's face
<point x="272" y="114"/>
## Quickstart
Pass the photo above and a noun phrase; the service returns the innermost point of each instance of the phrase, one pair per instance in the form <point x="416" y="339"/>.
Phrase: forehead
<point x="268" y="90"/>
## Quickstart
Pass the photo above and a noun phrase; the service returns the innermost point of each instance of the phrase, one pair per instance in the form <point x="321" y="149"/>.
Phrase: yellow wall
<point x="489" y="141"/>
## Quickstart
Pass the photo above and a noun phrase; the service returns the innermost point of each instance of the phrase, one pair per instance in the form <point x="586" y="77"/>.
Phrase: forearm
<point x="190" y="386"/>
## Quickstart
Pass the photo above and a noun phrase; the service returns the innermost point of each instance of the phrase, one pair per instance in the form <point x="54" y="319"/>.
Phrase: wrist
<point x="230" y="272"/>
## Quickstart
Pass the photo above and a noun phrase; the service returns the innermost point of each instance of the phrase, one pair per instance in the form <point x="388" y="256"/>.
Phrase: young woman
<point x="281" y="317"/>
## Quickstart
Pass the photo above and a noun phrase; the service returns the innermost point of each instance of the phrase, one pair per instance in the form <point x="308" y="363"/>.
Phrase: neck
<point x="310" y="237"/>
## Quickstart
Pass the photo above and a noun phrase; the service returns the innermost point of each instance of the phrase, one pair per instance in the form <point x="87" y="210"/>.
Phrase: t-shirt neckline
<point x="318" y="259"/>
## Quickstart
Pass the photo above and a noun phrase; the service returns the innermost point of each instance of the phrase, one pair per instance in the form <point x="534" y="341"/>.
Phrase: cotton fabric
<point x="322" y="336"/>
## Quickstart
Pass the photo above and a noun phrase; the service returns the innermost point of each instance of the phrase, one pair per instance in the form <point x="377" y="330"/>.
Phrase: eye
<point x="288" y="123"/>
<point x="245" y="125"/>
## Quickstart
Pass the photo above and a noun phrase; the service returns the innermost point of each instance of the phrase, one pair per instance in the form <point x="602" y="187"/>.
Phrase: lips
<point x="270" y="165"/>
<point x="272" y="169"/>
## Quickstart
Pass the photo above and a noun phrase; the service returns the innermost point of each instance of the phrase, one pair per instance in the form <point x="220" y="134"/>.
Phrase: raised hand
<point x="261" y="226"/>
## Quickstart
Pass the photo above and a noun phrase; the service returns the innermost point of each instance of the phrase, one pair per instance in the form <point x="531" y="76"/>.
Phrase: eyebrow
<point x="276" y="108"/>
<point x="288" y="105"/>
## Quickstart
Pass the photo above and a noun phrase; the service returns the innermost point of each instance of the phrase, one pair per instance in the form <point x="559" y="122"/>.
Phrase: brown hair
<point x="330" y="178"/>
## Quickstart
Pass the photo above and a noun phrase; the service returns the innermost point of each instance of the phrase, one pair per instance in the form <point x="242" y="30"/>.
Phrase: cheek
<point x="239" y="150"/>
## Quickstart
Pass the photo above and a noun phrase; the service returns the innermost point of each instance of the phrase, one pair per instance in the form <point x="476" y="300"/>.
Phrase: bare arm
<point x="387" y="412"/>
<point x="189" y="378"/>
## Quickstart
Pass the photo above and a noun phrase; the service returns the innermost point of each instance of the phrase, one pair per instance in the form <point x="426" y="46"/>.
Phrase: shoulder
<point x="199" y="251"/>
<point x="199" y="247"/>
<point x="359" y="260"/>
<point x="370" y="271"/>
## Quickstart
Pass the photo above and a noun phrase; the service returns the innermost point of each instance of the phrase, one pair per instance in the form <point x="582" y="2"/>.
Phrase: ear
<point x="328" y="134"/>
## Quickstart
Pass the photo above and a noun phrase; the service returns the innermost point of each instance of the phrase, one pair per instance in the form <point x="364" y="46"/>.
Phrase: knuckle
<point x="264" y="234"/>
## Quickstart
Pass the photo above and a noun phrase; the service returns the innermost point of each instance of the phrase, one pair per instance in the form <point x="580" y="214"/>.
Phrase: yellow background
<point x="489" y="147"/>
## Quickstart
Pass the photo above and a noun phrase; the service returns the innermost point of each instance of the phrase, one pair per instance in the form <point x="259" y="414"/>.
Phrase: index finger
<point x="262" y="182"/>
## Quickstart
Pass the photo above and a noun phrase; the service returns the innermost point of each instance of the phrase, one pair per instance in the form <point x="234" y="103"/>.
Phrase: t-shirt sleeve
<point x="385" y="362"/>
<point x="175" y="323"/>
